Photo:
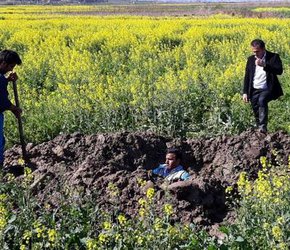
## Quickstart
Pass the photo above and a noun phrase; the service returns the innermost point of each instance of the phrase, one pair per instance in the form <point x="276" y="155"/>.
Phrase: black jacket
<point x="4" y="100"/>
<point x="273" y="68"/>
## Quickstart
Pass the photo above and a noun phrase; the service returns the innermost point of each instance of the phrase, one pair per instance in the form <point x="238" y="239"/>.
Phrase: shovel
<point x="20" y="127"/>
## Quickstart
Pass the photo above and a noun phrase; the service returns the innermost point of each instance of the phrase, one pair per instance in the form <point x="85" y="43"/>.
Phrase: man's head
<point x="8" y="60"/>
<point x="173" y="158"/>
<point x="258" y="48"/>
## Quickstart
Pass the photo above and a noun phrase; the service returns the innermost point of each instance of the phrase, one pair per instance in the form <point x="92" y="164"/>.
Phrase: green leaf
<point x="223" y="247"/>
<point x="12" y="219"/>
<point x="224" y="229"/>
<point x="84" y="240"/>
<point x="8" y="228"/>
<point x="240" y="239"/>
<point x="212" y="247"/>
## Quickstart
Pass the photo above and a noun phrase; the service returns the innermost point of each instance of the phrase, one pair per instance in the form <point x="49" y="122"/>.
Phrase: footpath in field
<point x="124" y="160"/>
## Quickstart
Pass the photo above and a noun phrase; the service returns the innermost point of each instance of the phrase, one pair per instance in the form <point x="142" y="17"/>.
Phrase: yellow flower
<point x="283" y="246"/>
<point x="263" y="187"/>
<point x="277" y="182"/>
<point x="47" y="206"/>
<point x="244" y="185"/>
<point x="118" y="236"/>
<point x="278" y="200"/>
<point x="28" y="176"/>
<point x="40" y="231"/>
<point x="150" y="193"/>
<point x="113" y="189"/>
<point x="22" y="247"/>
<point x="242" y="179"/>
<point x="142" y="212"/>
<point x="168" y="209"/>
<point x="140" y="240"/>
<point x="157" y="224"/>
<point x="3" y="197"/>
<point x="27" y="171"/>
<point x="263" y="161"/>
<point x="3" y="222"/>
<point x="102" y="238"/>
<point x="142" y="202"/>
<point x="172" y="230"/>
<point x="91" y="244"/>
<point x="27" y="236"/>
<point x="10" y="177"/>
<point x="277" y="232"/>
<point x="3" y="213"/>
<point x="229" y="189"/>
<point x="280" y="220"/>
<point x="36" y="224"/>
<point x="266" y="226"/>
<point x="21" y="161"/>
<point x="107" y="225"/>
<point x="141" y="182"/>
<point x="52" y="235"/>
<point x="122" y="219"/>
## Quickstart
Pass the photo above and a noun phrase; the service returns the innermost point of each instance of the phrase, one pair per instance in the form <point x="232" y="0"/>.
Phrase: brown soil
<point x="92" y="162"/>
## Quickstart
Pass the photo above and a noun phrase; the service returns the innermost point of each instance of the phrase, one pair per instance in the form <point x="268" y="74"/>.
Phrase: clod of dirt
<point x="92" y="162"/>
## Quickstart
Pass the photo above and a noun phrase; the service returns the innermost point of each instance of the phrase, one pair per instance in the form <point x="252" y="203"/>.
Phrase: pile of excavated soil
<point x="91" y="162"/>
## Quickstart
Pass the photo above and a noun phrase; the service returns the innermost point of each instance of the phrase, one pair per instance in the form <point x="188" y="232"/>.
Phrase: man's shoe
<point x="263" y="130"/>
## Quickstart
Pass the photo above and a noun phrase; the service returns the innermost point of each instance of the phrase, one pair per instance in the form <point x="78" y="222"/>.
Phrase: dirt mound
<point x="92" y="162"/>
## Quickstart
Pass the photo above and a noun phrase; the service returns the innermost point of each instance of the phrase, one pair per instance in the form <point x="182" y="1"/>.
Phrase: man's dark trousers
<point x="259" y="102"/>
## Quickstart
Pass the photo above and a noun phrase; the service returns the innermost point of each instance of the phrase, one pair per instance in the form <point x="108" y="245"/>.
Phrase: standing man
<point x="261" y="84"/>
<point x="8" y="60"/>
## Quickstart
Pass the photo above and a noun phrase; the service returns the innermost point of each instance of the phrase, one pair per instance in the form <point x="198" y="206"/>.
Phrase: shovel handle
<point x="20" y="126"/>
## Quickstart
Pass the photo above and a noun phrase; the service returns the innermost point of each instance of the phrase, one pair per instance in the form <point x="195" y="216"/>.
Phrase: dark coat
<point x="273" y="68"/>
<point x="5" y="103"/>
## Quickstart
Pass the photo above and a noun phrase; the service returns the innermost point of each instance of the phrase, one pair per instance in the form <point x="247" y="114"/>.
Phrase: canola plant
<point x="178" y="76"/>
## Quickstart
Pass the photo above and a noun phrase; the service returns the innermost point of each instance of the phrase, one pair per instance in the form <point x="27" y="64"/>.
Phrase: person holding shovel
<point x="8" y="60"/>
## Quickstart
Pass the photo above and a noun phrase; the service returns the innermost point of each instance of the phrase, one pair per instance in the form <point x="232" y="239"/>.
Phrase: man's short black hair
<point x="258" y="43"/>
<point x="10" y="57"/>
<point x="175" y="151"/>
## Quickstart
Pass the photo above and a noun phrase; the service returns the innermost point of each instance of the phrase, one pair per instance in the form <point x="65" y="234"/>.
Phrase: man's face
<point x="258" y="52"/>
<point x="5" y="67"/>
<point x="171" y="161"/>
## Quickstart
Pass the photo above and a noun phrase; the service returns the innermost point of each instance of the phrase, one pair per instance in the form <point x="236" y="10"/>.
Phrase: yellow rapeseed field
<point x="171" y="75"/>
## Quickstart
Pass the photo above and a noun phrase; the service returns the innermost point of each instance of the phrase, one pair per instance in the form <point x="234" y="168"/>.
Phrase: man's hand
<point x="16" y="111"/>
<point x="260" y="62"/>
<point x="245" y="98"/>
<point x="12" y="77"/>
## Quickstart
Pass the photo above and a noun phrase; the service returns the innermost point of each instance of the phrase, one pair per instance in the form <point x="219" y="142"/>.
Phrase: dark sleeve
<point x="274" y="65"/>
<point x="5" y="103"/>
<point x="247" y="78"/>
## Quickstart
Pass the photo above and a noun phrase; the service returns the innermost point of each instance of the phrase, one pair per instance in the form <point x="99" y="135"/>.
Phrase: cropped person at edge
<point x="8" y="60"/>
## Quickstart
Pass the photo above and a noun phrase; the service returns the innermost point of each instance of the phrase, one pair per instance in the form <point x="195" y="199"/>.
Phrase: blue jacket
<point x="4" y="100"/>
<point x="179" y="172"/>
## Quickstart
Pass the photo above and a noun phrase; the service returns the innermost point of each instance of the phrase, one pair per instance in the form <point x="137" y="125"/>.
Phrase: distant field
<point x="266" y="9"/>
